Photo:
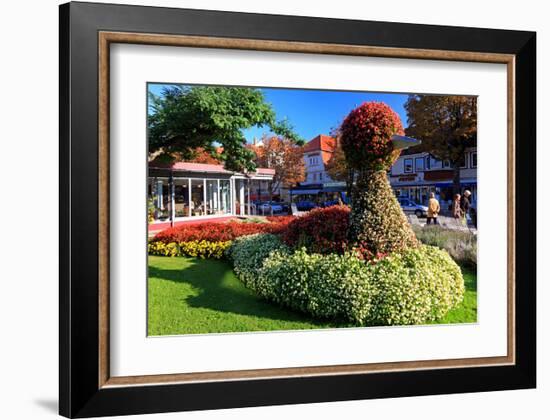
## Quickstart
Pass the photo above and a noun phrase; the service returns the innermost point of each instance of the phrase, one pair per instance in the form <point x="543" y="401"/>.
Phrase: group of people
<point x="460" y="207"/>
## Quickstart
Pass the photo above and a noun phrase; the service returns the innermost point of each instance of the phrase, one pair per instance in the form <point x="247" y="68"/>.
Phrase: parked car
<point x="410" y="206"/>
<point x="286" y="207"/>
<point x="305" y="205"/>
<point x="270" y="206"/>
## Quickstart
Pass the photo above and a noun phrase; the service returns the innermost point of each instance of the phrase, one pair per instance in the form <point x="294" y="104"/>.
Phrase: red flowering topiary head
<point x="366" y="136"/>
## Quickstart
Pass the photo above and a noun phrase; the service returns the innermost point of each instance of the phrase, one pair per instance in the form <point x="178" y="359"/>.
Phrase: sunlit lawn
<point x="467" y="310"/>
<point x="189" y="296"/>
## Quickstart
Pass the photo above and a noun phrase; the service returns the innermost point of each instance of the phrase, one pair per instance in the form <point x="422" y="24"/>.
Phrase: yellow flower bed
<point x="200" y="249"/>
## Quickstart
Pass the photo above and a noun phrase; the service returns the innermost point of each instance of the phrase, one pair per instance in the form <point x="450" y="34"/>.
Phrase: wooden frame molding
<point x="106" y="38"/>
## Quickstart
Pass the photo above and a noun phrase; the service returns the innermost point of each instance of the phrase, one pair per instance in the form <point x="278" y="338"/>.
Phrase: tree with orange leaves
<point x="282" y="155"/>
<point x="200" y="155"/>
<point x="338" y="168"/>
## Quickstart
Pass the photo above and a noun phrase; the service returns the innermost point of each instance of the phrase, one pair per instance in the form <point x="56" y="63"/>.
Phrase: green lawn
<point x="190" y="296"/>
<point x="467" y="310"/>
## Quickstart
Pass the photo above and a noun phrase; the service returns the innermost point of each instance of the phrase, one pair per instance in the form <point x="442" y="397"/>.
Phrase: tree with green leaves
<point x="447" y="125"/>
<point x="185" y="118"/>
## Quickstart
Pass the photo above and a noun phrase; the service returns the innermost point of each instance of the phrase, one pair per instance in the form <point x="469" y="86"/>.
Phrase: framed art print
<point x="260" y="209"/>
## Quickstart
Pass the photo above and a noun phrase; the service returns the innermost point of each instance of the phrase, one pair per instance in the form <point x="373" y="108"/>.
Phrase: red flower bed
<point x="322" y="230"/>
<point x="214" y="232"/>
<point x="285" y="220"/>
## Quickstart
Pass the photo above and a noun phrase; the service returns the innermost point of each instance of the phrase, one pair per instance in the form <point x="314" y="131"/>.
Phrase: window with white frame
<point x="474" y="159"/>
<point x="313" y="160"/>
<point x="408" y="166"/>
<point x="464" y="161"/>
<point x="419" y="164"/>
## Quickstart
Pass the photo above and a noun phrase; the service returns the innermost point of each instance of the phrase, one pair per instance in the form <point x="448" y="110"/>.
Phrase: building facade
<point x="317" y="153"/>
<point x="318" y="185"/>
<point x="415" y="175"/>
<point x="183" y="191"/>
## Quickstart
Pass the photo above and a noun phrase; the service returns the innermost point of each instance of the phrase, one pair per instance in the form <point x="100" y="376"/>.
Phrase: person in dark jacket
<point x="465" y="204"/>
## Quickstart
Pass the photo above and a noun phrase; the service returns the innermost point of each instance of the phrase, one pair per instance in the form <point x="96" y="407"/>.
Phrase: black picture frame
<point x="79" y="391"/>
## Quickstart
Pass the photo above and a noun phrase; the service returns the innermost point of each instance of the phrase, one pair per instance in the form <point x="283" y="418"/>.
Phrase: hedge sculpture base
<point x="378" y="225"/>
<point x="411" y="287"/>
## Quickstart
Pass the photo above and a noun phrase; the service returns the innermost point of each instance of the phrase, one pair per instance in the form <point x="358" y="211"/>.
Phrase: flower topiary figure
<point x="378" y="226"/>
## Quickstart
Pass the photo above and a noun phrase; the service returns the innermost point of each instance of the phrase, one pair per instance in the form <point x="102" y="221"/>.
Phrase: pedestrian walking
<point x="465" y="205"/>
<point x="433" y="209"/>
<point x="456" y="209"/>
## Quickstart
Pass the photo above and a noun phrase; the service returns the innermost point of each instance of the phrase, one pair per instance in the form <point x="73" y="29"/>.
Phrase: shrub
<point x="460" y="245"/>
<point x="378" y="225"/>
<point x="322" y="230"/>
<point x="415" y="286"/>
<point x="325" y="286"/>
<point x="215" y="231"/>
<point x="284" y="220"/>
<point x="366" y="136"/>
<point x="418" y="285"/>
<point x="248" y="254"/>
<point x="200" y="249"/>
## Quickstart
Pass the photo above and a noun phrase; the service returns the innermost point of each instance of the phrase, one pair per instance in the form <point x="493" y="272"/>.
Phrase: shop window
<point x="197" y="197"/>
<point x="181" y="197"/>
<point x="212" y="196"/>
<point x="225" y="196"/>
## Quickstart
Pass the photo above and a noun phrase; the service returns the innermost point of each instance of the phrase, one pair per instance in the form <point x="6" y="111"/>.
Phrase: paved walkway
<point x="443" y="221"/>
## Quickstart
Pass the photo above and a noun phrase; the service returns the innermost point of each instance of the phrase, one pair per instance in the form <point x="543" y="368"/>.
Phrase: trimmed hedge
<point x="217" y="231"/>
<point x="413" y="287"/>
<point x="325" y="286"/>
<point x="322" y="230"/>
<point x="378" y="226"/>
<point x="248" y="254"/>
<point x="200" y="249"/>
<point x="366" y="136"/>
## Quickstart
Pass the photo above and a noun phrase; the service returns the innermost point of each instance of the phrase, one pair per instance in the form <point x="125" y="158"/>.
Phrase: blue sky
<point x="313" y="112"/>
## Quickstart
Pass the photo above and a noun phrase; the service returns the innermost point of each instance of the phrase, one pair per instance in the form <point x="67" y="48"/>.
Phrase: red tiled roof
<point x="265" y="171"/>
<point x="321" y="143"/>
<point x="324" y="144"/>
<point x="190" y="166"/>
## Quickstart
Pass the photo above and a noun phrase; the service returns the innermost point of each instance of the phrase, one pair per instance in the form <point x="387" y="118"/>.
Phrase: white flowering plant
<point x="248" y="253"/>
<point x="414" y="286"/>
